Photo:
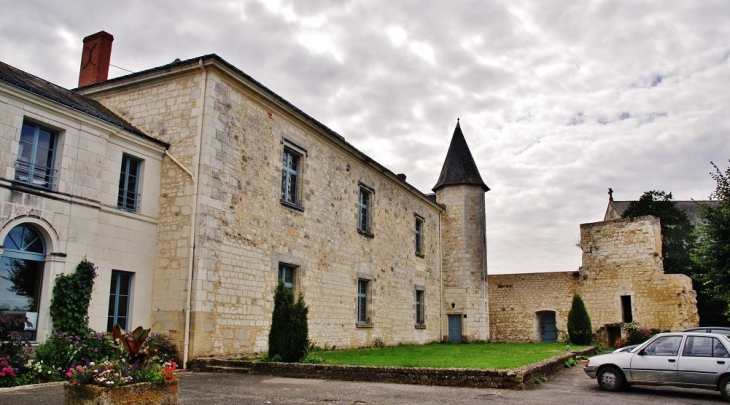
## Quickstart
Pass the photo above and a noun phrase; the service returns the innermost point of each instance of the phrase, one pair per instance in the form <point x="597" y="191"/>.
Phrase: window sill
<point x="420" y="326"/>
<point x="419" y="254"/>
<point x="365" y="233"/>
<point x="292" y="206"/>
<point x="364" y="325"/>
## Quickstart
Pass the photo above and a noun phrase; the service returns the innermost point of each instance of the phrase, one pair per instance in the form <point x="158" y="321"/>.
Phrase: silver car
<point x="682" y="359"/>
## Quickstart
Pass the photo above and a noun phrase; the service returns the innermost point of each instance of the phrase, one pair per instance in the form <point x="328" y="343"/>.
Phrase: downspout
<point x="441" y="282"/>
<point x="194" y="218"/>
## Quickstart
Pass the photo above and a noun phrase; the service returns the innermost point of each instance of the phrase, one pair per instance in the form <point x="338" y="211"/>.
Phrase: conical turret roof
<point x="459" y="166"/>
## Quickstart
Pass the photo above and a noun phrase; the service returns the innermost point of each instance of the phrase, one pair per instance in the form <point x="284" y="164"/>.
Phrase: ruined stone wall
<point x="465" y="259"/>
<point x="78" y="217"/>
<point x="515" y="301"/>
<point x="620" y="258"/>
<point x="245" y="231"/>
<point x="623" y="258"/>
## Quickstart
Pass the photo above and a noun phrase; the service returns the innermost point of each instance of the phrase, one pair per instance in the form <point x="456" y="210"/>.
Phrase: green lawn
<point x="444" y="355"/>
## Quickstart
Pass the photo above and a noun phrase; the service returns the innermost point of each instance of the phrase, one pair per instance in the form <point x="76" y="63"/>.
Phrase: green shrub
<point x="70" y="303"/>
<point x="62" y="351"/>
<point x="162" y="348"/>
<point x="289" y="334"/>
<point x="580" y="330"/>
<point x="635" y="334"/>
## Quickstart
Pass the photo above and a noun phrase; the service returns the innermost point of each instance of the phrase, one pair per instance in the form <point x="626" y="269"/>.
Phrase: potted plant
<point x="137" y="376"/>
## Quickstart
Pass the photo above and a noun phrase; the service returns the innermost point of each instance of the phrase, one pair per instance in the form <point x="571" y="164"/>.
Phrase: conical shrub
<point x="580" y="330"/>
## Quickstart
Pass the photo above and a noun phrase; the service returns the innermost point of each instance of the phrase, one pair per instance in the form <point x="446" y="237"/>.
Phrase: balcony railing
<point x="34" y="174"/>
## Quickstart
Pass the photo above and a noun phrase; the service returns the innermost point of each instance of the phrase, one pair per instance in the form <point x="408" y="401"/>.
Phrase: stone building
<point x="236" y="190"/>
<point x="196" y="190"/>
<point x="63" y="157"/>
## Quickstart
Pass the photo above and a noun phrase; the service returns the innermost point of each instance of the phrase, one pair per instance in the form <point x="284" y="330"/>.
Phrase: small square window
<point x="363" y="295"/>
<point x="36" y="154"/>
<point x="419" y="236"/>
<point x="287" y="275"/>
<point x="129" y="176"/>
<point x="290" y="178"/>
<point x="420" y="308"/>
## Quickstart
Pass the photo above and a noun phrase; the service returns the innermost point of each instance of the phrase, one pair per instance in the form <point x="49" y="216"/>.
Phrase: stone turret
<point x="460" y="189"/>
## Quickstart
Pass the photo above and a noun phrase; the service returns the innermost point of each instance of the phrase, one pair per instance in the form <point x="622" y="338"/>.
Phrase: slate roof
<point x="32" y="84"/>
<point x="459" y="166"/>
<point x="171" y="67"/>
<point x="691" y="208"/>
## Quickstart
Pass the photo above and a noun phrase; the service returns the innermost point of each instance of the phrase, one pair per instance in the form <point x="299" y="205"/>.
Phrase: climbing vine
<point x="71" y="297"/>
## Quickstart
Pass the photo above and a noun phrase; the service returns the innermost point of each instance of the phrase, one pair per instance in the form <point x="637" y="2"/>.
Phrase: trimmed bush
<point x="580" y="330"/>
<point x="289" y="334"/>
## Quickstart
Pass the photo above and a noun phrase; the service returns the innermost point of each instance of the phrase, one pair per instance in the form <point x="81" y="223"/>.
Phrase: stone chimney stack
<point x="95" y="58"/>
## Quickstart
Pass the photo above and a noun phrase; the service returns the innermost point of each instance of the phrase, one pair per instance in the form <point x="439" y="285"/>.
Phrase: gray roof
<point x="45" y="89"/>
<point x="459" y="166"/>
<point x="691" y="208"/>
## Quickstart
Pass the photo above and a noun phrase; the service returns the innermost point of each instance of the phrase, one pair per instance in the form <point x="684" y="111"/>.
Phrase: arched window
<point x="21" y="274"/>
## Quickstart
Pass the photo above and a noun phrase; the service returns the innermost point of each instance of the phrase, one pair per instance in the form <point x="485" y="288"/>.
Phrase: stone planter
<point x="132" y="394"/>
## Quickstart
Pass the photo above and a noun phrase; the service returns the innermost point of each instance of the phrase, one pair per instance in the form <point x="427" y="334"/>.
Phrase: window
<point x="287" y="275"/>
<point x="362" y="302"/>
<point x="128" y="197"/>
<point x="664" y="346"/>
<point x="290" y="193"/>
<point x="699" y="346"/>
<point x="119" y="297"/>
<point x="626" y="314"/>
<point x="35" y="156"/>
<point x="419" y="236"/>
<point x="21" y="275"/>
<point x="363" y="213"/>
<point x="420" y="308"/>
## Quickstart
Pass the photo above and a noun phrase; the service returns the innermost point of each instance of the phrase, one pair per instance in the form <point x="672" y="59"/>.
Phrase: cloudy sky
<point x="558" y="100"/>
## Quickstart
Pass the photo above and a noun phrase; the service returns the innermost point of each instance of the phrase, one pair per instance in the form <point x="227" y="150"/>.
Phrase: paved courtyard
<point x="569" y="386"/>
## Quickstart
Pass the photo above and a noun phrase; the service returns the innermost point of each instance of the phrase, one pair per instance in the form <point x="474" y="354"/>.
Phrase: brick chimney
<point x="95" y="58"/>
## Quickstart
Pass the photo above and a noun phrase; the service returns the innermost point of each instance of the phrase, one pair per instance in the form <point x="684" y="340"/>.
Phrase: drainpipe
<point x="441" y="283"/>
<point x="194" y="218"/>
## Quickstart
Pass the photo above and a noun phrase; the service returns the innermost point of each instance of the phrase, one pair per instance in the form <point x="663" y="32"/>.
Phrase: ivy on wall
<point x="71" y="297"/>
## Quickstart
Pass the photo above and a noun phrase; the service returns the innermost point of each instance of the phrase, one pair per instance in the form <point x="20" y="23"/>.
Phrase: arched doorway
<point x="21" y="274"/>
<point x="546" y="323"/>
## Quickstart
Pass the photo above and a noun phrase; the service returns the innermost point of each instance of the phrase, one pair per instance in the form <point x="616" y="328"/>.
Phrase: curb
<point x="514" y="379"/>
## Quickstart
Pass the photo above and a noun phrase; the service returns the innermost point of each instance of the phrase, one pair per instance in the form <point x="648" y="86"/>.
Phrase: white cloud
<point x="559" y="100"/>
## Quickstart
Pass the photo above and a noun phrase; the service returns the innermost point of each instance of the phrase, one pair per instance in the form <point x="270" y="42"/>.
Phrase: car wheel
<point x="611" y="379"/>
<point x="724" y="387"/>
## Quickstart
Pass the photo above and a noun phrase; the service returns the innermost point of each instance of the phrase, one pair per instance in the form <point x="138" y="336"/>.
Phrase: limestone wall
<point x="244" y="231"/>
<point x="620" y="258"/>
<point x="623" y="258"/>
<point x="515" y="301"/>
<point x="78" y="217"/>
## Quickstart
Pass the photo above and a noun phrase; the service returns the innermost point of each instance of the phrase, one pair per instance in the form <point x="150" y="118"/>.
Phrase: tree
<point x="289" y="334"/>
<point x="712" y="250"/>
<point x="580" y="331"/>
<point x="677" y="230"/>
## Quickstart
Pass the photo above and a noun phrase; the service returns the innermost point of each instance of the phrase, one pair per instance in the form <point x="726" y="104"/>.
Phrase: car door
<point x="703" y="358"/>
<point x="657" y="362"/>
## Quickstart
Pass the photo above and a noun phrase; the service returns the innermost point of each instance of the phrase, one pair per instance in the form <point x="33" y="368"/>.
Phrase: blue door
<point x="548" y="331"/>
<point x="454" y="328"/>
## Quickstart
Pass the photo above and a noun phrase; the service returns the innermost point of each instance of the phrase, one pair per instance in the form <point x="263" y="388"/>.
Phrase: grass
<point x="444" y="355"/>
